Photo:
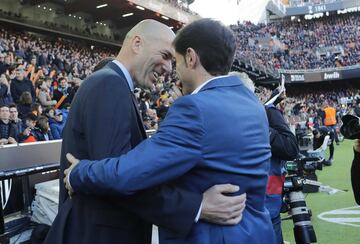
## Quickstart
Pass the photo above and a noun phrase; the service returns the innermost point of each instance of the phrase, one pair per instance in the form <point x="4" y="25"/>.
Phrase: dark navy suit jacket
<point x="219" y="135"/>
<point x="104" y="122"/>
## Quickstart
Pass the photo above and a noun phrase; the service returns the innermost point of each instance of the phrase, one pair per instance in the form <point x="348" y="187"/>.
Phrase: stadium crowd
<point x="308" y="105"/>
<point x="39" y="77"/>
<point x="328" y="42"/>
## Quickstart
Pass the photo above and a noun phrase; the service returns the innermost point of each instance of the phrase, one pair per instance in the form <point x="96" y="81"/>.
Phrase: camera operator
<point x="355" y="171"/>
<point x="319" y="135"/>
<point x="351" y="130"/>
<point x="283" y="147"/>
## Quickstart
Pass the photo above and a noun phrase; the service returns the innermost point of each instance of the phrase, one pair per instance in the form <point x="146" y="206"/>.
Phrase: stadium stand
<point x="315" y="44"/>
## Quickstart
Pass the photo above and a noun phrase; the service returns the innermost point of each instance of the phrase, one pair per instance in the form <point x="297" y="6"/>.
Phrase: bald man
<point x="104" y="122"/>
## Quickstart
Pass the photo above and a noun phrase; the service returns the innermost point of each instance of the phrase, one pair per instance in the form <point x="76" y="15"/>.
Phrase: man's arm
<point x="170" y="153"/>
<point x="282" y="140"/>
<point x="167" y="206"/>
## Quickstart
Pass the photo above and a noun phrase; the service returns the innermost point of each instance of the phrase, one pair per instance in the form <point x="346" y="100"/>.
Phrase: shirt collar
<point x="206" y="82"/>
<point x="126" y="73"/>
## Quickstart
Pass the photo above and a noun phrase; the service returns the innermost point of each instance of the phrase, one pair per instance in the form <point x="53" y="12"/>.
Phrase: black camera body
<point x="351" y="127"/>
<point x="304" y="166"/>
<point x="294" y="199"/>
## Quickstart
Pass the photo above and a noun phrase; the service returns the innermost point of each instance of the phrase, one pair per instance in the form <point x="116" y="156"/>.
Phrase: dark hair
<point x="31" y="117"/>
<point x="25" y="98"/>
<point x="103" y="63"/>
<point x="41" y="123"/>
<point x="4" y="105"/>
<point x="12" y="105"/>
<point x="48" y="109"/>
<point x="35" y="107"/>
<point x="213" y="42"/>
<point x="61" y="79"/>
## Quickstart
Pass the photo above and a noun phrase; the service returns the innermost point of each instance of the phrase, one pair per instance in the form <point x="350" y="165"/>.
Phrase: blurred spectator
<point x="164" y="105"/>
<point x="3" y="67"/>
<point x="42" y="130"/>
<point x="44" y="94"/>
<point x="8" y="131"/>
<point x="24" y="107"/>
<point x="14" y="118"/>
<point x="28" y="133"/>
<point x="56" y="122"/>
<point x="36" y="109"/>
<point x="330" y="120"/>
<point x="144" y="104"/>
<point x="20" y="84"/>
<point x="5" y="96"/>
<point x="62" y="92"/>
<point x="75" y="84"/>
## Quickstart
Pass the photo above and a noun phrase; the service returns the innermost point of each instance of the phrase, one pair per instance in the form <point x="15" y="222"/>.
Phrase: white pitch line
<point x="350" y="221"/>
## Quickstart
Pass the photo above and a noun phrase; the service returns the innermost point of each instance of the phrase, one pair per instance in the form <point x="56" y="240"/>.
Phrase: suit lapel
<point x="117" y="69"/>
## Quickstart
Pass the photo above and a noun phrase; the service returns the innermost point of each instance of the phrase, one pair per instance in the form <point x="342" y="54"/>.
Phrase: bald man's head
<point x="150" y="29"/>
<point x="147" y="52"/>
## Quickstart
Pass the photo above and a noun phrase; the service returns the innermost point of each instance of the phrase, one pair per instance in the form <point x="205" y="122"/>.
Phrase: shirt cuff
<point x="198" y="214"/>
<point x="68" y="179"/>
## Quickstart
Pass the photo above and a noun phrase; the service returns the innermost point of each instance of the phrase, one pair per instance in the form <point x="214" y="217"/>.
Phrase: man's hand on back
<point x="221" y="209"/>
<point x="73" y="162"/>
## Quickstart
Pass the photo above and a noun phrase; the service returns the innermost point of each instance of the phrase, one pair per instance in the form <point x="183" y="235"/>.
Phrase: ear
<point x="191" y="58"/>
<point x="136" y="44"/>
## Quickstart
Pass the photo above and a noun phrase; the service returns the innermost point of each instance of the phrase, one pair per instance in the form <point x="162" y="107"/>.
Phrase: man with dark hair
<point x="62" y="92"/>
<point x="27" y="135"/>
<point x="8" y="131"/>
<point x="218" y="134"/>
<point x="283" y="147"/>
<point x="42" y="130"/>
<point x="215" y="54"/>
<point x="104" y="122"/>
<point x="20" y="84"/>
<point x="14" y="118"/>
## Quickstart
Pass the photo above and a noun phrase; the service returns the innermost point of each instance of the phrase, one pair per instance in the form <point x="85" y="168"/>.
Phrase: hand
<point x="357" y="145"/>
<point x="11" y="140"/>
<point x="221" y="209"/>
<point x="3" y="141"/>
<point x="73" y="162"/>
<point x="27" y="131"/>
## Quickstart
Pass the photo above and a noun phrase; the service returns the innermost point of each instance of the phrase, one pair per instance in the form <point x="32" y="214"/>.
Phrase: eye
<point x="166" y="56"/>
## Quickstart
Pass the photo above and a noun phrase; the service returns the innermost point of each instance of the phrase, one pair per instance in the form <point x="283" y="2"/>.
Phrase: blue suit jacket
<point x="104" y="122"/>
<point x="219" y="135"/>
